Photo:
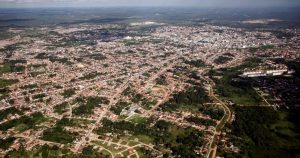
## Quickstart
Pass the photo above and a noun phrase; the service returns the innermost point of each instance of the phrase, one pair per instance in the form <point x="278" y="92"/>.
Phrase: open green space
<point x="241" y="93"/>
<point x="68" y="92"/>
<point x="264" y="132"/>
<point x="138" y="119"/>
<point x="89" y="152"/>
<point x="23" y="123"/>
<point x="6" y="143"/>
<point x="58" y="134"/>
<point x="181" y="141"/>
<point x="30" y="86"/>
<point x="4" y="82"/>
<point x="147" y="103"/>
<point x="201" y="121"/>
<point x="89" y="76"/>
<point x="215" y="112"/>
<point x="87" y="105"/>
<point x="73" y="122"/>
<point x="161" y="80"/>
<point x="145" y="153"/>
<point x="137" y="98"/>
<point x="61" y="108"/>
<point x="39" y="96"/>
<point x="261" y="48"/>
<point x="192" y="100"/>
<point x="44" y="151"/>
<point x="222" y="59"/>
<point x="10" y="66"/>
<point x="96" y="56"/>
<point x="9" y="111"/>
<point x="4" y="92"/>
<point x="188" y="100"/>
<point x="197" y="63"/>
<point x="5" y="68"/>
<point x="117" y="109"/>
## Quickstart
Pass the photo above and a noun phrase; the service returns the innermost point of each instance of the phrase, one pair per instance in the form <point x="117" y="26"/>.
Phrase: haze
<point x="148" y="3"/>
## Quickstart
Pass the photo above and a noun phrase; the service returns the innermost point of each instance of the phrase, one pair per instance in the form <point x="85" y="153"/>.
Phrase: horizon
<point x="155" y="7"/>
<point x="144" y="3"/>
<point x="167" y="7"/>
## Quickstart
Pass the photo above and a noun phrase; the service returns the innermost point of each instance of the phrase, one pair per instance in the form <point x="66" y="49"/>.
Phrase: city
<point x="146" y="88"/>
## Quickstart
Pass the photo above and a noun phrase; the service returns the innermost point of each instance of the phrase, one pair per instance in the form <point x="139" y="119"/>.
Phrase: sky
<point x="149" y="3"/>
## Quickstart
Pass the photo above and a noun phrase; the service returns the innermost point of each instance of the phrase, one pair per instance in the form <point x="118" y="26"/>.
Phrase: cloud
<point x="211" y="3"/>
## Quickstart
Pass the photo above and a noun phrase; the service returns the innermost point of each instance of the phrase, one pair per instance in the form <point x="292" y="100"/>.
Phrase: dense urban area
<point x="144" y="89"/>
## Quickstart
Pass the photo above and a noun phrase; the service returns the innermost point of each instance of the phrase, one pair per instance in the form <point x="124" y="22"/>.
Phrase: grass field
<point x="138" y="119"/>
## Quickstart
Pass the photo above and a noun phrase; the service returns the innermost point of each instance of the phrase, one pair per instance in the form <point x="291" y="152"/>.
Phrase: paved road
<point x="226" y="118"/>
